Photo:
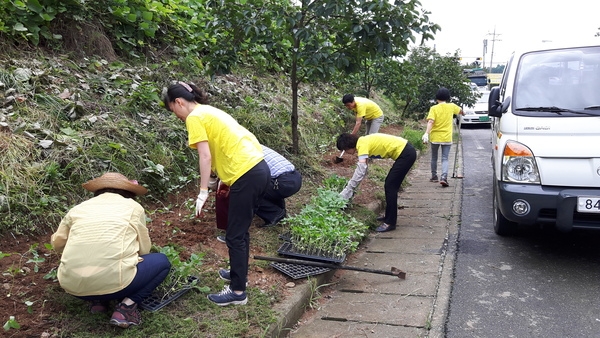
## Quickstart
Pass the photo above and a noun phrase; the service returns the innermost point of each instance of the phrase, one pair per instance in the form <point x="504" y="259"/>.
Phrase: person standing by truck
<point x="365" y="109"/>
<point x="439" y="132"/>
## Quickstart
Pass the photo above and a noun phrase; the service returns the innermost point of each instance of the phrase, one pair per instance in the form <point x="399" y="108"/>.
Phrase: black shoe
<point x="385" y="227"/>
<point x="444" y="182"/>
<point x="275" y="221"/>
<point x="381" y="218"/>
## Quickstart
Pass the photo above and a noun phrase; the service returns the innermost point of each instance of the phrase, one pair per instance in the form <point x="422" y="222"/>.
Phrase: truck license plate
<point x="588" y="204"/>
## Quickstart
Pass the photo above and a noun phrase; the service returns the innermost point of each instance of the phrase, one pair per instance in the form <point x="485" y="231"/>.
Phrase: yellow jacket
<point x="101" y="240"/>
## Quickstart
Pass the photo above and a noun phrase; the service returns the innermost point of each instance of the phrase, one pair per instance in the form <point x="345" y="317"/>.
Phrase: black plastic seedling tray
<point x="288" y="249"/>
<point x="297" y="271"/>
<point x="156" y="302"/>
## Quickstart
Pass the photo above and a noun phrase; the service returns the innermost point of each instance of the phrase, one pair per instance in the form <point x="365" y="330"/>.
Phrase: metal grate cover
<point x="156" y="302"/>
<point x="297" y="271"/>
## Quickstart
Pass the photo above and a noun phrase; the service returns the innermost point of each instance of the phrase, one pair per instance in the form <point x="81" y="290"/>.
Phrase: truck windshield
<point x="567" y="80"/>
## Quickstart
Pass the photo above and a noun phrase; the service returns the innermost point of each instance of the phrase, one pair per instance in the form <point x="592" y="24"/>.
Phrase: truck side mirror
<point x="495" y="107"/>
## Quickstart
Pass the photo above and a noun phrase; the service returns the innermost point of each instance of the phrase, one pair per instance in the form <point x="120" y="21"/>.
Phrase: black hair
<point x="186" y="91"/>
<point x="443" y="94"/>
<point x="346" y="141"/>
<point x="347" y="98"/>
<point x="124" y="193"/>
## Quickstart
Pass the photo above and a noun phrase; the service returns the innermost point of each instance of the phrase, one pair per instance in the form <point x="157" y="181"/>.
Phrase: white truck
<point x="546" y="139"/>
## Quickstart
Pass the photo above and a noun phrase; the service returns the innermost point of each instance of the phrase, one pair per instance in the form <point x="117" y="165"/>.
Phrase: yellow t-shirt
<point x="234" y="150"/>
<point x="101" y="240"/>
<point x="367" y="109"/>
<point x="380" y="145"/>
<point x="442" y="115"/>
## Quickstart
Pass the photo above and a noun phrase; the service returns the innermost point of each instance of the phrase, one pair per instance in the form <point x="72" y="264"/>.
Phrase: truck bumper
<point x="556" y="205"/>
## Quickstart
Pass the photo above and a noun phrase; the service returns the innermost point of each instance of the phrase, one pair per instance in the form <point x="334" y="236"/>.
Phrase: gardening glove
<point x="202" y="197"/>
<point x="346" y="193"/>
<point x="425" y="138"/>
<point x="213" y="182"/>
<point x="359" y="173"/>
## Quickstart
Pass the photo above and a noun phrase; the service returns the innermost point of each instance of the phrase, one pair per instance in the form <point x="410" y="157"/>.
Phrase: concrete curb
<point x="294" y="306"/>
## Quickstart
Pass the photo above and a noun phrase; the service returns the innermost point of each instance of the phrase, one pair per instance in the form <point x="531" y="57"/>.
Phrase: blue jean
<point x="150" y="273"/>
<point x="434" y="159"/>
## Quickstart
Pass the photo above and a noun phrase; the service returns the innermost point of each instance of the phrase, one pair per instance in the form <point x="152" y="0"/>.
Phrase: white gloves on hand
<point x="213" y="182"/>
<point x="425" y="138"/>
<point x="346" y="193"/>
<point x="202" y="197"/>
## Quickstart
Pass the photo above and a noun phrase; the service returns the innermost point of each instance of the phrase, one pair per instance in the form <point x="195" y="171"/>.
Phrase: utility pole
<point x="494" y="39"/>
<point x="484" y="52"/>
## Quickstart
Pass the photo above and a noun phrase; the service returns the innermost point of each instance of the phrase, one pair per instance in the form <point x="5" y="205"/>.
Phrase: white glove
<point x="213" y="183"/>
<point x="346" y="193"/>
<point x="425" y="138"/>
<point x="202" y="197"/>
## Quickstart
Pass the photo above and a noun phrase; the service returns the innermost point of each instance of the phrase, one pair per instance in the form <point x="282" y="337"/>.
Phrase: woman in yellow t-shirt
<point x="439" y="132"/>
<point x="230" y="151"/>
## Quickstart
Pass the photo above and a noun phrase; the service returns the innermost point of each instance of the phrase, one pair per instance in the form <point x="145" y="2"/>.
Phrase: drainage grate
<point x="288" y="249"/>
<point x="156" y="302"/>
<point x="297" y="271"/>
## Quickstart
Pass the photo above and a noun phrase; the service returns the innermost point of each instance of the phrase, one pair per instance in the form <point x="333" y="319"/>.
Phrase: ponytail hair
<point x="187" y="91"/>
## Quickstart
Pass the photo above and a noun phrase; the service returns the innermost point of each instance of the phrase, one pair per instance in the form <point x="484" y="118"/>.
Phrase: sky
<point x="465" y="24"/>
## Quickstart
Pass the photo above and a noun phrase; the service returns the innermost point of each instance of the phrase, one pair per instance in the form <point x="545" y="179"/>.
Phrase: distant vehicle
<point x="477" y="114"/>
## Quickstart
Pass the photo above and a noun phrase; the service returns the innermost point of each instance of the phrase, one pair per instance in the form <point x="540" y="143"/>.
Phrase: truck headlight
<point x="518" y="164"/>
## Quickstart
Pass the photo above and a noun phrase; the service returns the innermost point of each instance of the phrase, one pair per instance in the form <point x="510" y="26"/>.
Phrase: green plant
<point x="321" y="228"/>
<point x="35" y="259"/>
<point x="315" y="292"/>
<point x="29" y="305"/>
<point x="334" y="183"/>
<point x="11" y="323"/>
<point x="414" y="137"/>
<point x="181" y="271"/>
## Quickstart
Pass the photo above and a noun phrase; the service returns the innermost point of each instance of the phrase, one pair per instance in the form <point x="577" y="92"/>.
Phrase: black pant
<point x="272" y="205"/>
<point x="244" y="196"/>
<point x="394" y="179"/>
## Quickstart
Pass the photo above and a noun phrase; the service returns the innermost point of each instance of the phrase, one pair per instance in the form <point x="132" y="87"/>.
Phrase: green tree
<point x="314" y="40"/>
<point x="434" y="71"/>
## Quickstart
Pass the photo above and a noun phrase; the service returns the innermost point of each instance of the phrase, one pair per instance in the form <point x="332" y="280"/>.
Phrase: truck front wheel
<point x="502" y="226"/>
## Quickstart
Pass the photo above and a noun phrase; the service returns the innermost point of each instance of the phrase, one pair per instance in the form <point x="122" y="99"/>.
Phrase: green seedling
<point x="29" y="305"/>
<point x="36" y="259"/>
<point x="11" y="323"/>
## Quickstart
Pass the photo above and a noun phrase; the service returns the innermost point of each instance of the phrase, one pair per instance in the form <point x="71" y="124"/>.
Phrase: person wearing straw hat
<point x="105" y="250"/>
<point x="233" y="153"/>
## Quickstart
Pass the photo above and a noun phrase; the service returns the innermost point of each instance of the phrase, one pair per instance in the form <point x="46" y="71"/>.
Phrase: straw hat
<point x="115" y="181"/>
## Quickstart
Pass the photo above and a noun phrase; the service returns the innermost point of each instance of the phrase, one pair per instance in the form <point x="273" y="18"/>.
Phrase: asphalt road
<point x="539" y="283"/>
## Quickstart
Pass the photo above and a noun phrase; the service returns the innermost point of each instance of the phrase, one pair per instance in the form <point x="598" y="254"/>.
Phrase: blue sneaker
<point x="226" y="275"/>
<point x="227" y="296"/>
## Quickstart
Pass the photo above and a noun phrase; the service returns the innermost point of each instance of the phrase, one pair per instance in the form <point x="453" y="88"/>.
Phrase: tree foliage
<point x="432" y="72"/>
